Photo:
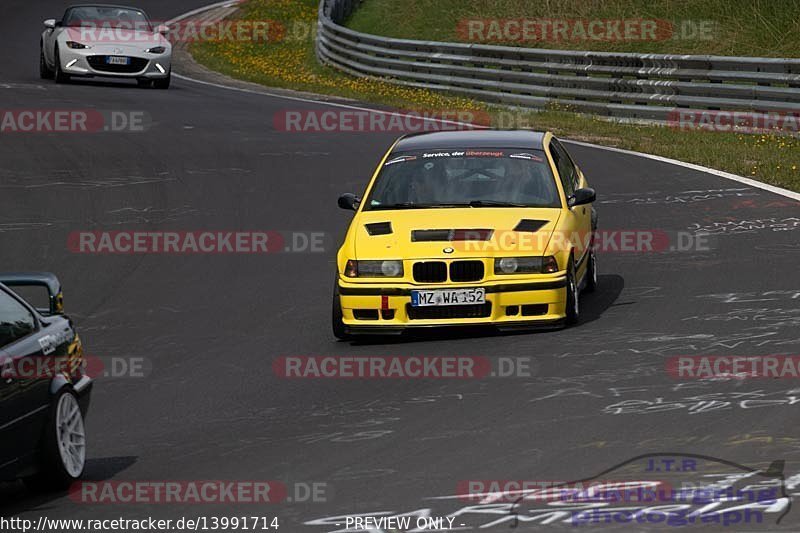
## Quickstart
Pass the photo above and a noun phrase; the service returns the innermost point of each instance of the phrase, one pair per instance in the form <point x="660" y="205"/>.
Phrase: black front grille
<point x="466" y="271"/>
<point x="137" y="64"/>
<point x="430" y="272"/>
<point x="445" y="312"/>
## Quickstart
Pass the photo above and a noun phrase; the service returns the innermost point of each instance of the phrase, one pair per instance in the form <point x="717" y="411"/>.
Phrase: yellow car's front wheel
<point x="573" y="300"/>
<point x="337" y="320"/>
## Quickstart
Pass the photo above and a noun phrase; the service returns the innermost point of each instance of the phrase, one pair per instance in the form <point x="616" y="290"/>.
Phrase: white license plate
<point x="448" y="297"/>
<point x="117" y="60"/>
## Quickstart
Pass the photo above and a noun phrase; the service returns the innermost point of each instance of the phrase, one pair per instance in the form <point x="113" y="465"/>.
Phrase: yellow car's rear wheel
<point x="591" y="273"/>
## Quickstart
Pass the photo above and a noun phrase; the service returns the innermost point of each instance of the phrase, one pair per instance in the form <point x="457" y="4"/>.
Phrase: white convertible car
<point x="107" y="41"/>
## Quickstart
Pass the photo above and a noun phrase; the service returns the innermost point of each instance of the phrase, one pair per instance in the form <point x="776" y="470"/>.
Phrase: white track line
<point x="699" y="168"/>
<point x="228" y="3"/>
<point x="330" y="104"/>
<point x="719" y="173"/>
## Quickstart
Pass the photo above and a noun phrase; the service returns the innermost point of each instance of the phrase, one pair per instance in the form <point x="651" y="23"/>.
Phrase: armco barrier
<point x="622" y="85"/>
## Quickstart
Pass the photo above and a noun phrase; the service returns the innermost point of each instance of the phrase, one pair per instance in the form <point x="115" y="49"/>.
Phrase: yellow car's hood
<point x="411" y="238"/>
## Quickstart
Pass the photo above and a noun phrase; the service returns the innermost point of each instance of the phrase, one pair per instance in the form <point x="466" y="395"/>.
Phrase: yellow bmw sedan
<point x="459" y="228"/>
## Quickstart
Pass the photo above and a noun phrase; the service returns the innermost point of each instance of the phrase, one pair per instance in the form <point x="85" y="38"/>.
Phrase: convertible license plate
<point x="448" y="297"/>
<point x="118" y="60"/>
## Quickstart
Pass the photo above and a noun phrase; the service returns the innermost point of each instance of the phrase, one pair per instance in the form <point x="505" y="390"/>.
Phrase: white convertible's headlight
<point x="374" y="269"/>
<point x="156" y="50"/>
<point x="77" y="46"/>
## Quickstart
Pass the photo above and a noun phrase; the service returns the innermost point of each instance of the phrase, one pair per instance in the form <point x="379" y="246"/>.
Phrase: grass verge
<point x="769" y="28"/>
<point x="291" y="63"/>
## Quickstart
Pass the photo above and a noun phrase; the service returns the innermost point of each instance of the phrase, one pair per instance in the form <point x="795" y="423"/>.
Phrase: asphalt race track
<point x="209" y="326"/>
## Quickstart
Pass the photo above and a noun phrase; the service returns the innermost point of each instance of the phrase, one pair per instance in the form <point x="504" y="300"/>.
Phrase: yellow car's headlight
<point x="525" y="265"/>
<point x="374" y="269"/>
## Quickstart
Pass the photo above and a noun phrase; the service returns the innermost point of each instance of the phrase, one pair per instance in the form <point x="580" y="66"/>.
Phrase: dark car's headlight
<point x="156" y="50"/>
<point x="525" y="265"/>
<point x="77" y="46"/>
<point x="374" y="269"/>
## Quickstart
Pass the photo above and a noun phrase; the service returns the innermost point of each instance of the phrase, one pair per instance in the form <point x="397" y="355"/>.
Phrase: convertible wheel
<point x="573" y="305"/>
<point x="44" y="71"/>
<point x="591" y="273"/>
<point x="336" y="316"/>
<point x="163" y="83"/>
<point x="63" y="445"/>
<point x="59" y="76"/>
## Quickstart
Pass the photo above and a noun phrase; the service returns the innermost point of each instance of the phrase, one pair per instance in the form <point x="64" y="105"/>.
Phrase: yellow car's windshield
<point x="489" y="177"/>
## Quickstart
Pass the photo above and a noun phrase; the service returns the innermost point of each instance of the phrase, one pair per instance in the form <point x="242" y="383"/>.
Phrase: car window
<point x="16" y="321"/>
<point x="105" y="17"/>
<point x="453" y="178"/>
<point x="575" y="177"/>
<point x="566" y="169"/>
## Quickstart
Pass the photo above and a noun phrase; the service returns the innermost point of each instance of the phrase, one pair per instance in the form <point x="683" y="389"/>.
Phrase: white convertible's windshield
<point x="106" y="17"/>
<point x="475" y="178"/>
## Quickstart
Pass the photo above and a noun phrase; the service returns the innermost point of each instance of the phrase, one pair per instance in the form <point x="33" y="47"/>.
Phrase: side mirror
<point x="37" y="280"/>
<point x="349" y="201"/>
<point x="163" y="29"/>
<point x="582" y="197"/>
<point x="50" y="23"/>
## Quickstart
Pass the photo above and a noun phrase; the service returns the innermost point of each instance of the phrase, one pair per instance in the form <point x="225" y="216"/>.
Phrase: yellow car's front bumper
<point x="379" y="308"/>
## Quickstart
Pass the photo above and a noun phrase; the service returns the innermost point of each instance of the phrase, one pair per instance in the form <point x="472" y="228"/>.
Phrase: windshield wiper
<point x="492" y="203"/>
<point x="473" y="203"/>
<point x="412" y="205"/>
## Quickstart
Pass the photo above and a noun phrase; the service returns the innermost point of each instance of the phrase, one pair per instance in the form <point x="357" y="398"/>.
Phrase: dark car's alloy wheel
<point x="63" y="448"/>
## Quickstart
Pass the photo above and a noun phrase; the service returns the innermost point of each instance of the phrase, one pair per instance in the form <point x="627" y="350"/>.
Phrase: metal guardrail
<point x="621" y="85"/>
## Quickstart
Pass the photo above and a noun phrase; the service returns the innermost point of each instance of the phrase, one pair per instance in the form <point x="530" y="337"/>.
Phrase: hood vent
<point x="379" y="228"/>
<point x="529" y="225"/>
<point x="450" y="235"/>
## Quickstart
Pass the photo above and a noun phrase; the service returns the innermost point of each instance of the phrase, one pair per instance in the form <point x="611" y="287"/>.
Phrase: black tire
<point x="53" y="474"/>
<point x="337" y="321"/>
<point x="44" y="71"/>
<point x="144" y="83"/>
<point x="573" y="295"/>
<point x="163" y="83"/>
<point x="59" y="75"/>
<point x="591" y="273"/>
